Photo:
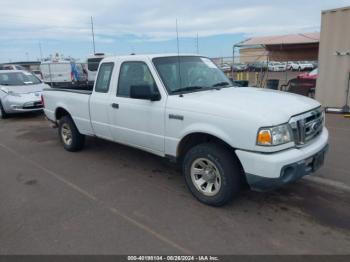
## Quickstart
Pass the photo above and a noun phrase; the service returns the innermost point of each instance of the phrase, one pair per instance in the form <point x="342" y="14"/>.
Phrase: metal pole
<point x="93" y="35"/>
<point x="346" y="107"/>
<point x="233" y="59"/>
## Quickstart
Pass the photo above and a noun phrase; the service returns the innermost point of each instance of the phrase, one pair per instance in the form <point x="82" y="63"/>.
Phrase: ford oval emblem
<point x="315" y="126"/>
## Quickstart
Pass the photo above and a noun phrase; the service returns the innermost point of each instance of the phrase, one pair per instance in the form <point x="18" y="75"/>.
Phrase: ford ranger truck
<point x="183" y="107"/>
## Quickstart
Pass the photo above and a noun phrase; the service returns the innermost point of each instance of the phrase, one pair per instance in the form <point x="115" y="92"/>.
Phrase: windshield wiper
<point x="222" y="84"/>
<point x="188" y="88"/>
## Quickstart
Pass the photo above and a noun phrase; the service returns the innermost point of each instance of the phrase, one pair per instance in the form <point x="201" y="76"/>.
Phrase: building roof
<point x="302" y="38"/>
<point x="346" y="8"/>
<point x="22" y="63"/>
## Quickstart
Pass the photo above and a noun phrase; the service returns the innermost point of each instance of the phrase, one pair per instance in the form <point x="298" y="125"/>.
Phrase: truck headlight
<point x="274" y="136"/>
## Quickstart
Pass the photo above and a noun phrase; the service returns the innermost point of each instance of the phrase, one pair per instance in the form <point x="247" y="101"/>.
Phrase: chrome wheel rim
<point x="206" y="177"/>
<point x="66" y="134"/>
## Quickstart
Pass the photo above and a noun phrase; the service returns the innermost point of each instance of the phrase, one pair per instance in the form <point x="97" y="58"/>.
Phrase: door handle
<point x="115" y="106"/>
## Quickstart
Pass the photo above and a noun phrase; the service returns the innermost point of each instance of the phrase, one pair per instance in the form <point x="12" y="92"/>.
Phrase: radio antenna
<point x="178" y="55"/>
<point x="177" y="39"/>
<point x="93" y="35"/>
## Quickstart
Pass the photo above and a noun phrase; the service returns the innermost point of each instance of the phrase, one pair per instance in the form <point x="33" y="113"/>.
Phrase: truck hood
<point x="266" y="106"/>
<point x="25" y="89"/>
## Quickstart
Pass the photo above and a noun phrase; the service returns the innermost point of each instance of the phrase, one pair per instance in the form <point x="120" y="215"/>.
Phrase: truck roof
<point x="145" y="56"/>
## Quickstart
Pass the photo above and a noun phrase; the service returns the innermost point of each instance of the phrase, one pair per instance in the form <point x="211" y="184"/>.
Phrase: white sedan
<point x="20" y="92"/>
<point x="300" y="66"/>
<point x="277" y="67"/>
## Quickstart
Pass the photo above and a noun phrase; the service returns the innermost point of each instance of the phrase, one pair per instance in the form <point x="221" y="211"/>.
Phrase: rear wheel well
<point x="61" y="112"/>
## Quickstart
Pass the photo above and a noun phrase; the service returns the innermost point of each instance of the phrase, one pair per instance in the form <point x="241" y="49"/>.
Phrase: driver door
<point x="137" y="122"/>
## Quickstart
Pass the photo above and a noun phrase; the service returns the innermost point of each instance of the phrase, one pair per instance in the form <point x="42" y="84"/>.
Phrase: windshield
<point x="18" y="79"/>
<point x="189" y="74"/>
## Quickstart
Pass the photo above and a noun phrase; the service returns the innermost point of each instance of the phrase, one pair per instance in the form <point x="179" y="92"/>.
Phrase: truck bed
<point x="74" y="101"/>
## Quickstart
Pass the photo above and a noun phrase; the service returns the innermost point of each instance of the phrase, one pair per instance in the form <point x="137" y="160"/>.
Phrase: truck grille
<point x="307" y="126"/>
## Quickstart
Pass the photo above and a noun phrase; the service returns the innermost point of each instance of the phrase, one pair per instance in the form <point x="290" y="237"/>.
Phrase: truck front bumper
<point x="266" y="172"/>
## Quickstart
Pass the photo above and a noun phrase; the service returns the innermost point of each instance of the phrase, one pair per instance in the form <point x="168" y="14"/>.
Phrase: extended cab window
<point x="134" y="74"/>
<point x="104" y="78"/>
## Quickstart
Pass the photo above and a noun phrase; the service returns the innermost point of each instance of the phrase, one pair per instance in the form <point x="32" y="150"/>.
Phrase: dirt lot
<point x="110" y="199"/>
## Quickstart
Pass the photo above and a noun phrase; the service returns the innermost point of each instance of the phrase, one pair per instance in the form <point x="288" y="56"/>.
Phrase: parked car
<point x="20" y="92"/>
<point x="300" y="66"/>
<point x="315" y="64"/>
<point x="239" y="67"/>
<point x="184" y="108"/>
<point x="276" y="67"/>
<point x="309" y="75"/>
<point x="12" y="67"/>
<point x="257" y="66"/>
<point x="225" y="68"/>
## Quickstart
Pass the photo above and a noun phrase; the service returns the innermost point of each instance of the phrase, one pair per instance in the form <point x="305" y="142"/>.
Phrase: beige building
<point x="295" y="47"/>
<point x="252" y="54"/>
<point x="334" y="58"/>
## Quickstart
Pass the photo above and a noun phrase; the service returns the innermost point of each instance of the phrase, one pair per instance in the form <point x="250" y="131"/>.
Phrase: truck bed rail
<point x="84" y="92"/>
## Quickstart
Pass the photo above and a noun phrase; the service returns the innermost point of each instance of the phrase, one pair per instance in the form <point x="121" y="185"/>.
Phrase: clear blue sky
<point x="123" y="27"/>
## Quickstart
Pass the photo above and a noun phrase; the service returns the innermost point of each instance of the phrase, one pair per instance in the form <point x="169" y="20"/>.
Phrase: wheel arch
<point x="195" y="138"/>
<point x="61" y="112"/>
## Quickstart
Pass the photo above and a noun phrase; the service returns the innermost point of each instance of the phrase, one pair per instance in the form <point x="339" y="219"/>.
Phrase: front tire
<point x="69" y="135"/>
<point x="212" y="173"/>
<point x="3" y="114"/>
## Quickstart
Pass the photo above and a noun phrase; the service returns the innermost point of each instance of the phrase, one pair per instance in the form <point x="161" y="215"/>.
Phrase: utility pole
<point x="93" y="35"/>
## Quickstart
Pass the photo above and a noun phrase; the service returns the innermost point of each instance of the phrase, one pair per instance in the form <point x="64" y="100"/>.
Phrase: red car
<point x="309" y="76"/>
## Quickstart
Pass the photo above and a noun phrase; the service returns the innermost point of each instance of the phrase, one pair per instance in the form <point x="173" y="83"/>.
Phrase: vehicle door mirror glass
<point x="144" y="92"/>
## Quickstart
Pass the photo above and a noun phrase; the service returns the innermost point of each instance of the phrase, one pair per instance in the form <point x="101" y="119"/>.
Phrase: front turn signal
<point x="264" y="137"/>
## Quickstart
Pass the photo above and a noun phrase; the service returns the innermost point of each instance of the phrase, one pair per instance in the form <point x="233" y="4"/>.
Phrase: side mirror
<point x="144" y="92"/>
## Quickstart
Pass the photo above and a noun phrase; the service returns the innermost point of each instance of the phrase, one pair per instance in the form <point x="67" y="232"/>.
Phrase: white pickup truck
<point x="184" y="108"/>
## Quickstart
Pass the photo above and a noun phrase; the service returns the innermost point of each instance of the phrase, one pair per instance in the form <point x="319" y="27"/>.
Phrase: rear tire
<point x="212" y="173"/>
<point x="69" y="135"/>
<point x="3" y="114"/>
